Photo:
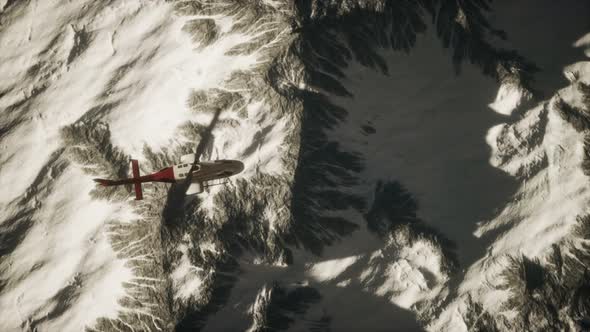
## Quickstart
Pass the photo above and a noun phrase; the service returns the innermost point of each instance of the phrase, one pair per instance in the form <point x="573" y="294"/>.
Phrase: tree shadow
<point x="428" y="124"/>
<point x="352" y="308"/>
<point x="431" y="128"/>
<point x="324" y="306"/>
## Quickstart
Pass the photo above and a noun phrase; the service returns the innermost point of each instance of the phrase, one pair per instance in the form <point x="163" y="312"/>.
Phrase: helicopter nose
<point x="238" y="166"/>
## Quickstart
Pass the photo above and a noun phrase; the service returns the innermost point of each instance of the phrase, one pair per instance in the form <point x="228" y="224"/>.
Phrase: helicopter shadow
<point x="174" y="208"/>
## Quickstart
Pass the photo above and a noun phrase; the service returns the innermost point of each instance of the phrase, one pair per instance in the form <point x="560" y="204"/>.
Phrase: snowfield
<point x="406" y="167"/>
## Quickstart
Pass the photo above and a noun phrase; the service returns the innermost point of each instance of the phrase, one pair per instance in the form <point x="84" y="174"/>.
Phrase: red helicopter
<point x="199" y="174"/>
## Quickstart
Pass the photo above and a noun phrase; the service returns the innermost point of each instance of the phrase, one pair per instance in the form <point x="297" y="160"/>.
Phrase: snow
<point x="26" y="38"/>
<point x="584" y="42"/>
<point x="135" y="73"/>
<point x="266" y="133"/>
<point x="461" y="145"/>
<point x="186" y="278"/>
<point x="330" y="269"/>
<point x="549" y="46"/>
<point x="129" y="64"/>
<point x="477" y="171"/>
<point x="161" y="106"/>
<point x="547" y="202"/>
<point x="363" y="281"/>
<point x="539" y="149"/>
<point x="430" y="128"/>
<point x="553" y="198"/>
<point x="68" y="246"/>
<point x="508" y="98"/>
<point x="415" y="276"/>
<point x="582" y="69"/>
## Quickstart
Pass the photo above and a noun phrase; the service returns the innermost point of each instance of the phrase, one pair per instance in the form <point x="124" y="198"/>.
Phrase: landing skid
<point x="212" y="183"/>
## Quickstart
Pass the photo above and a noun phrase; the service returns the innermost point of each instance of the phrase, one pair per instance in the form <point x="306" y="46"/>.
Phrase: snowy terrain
<point x="408" y="166"/>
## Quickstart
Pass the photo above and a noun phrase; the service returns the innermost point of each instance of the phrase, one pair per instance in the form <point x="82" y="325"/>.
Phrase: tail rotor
<point x="136" y="181"/>
<point x="136" y="184"/>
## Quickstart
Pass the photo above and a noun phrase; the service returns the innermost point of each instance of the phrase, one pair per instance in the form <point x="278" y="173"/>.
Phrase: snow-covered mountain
<point x="409" y="165"/>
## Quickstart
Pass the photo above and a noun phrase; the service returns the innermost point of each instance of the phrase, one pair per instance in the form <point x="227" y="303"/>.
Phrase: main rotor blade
<point x="206" y="136"/>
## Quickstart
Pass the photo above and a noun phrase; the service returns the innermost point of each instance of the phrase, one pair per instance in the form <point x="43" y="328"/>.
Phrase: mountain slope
<point x="403" y="167"/>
